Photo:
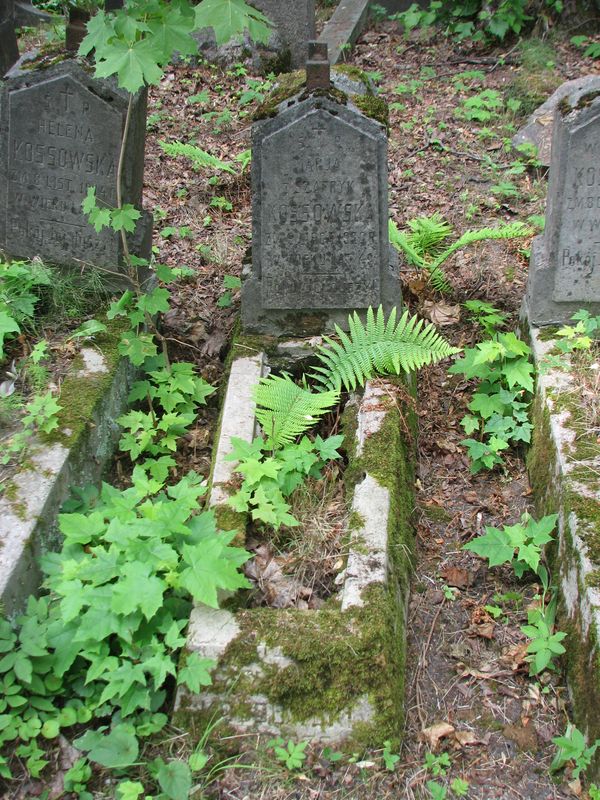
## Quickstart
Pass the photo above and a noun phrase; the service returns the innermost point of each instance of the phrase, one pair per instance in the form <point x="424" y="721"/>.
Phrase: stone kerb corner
<point x="334" y="674"/>
<point x="93" y="395"/>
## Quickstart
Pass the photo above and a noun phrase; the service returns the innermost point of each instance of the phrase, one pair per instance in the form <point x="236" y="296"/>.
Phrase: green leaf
<point x="175" y="779"/>
<point x="129" y="790"/>
<point x="519" y="373"/>
<point x="196" y="672"/>
<point x="494" y="546"/>
<point x="118" y="748"/>
<point x="137" y="588"/>
<point x="124" y="218"/>
<point x="7" y="325"/>
<point x="134" y="63"/>
<point x="230" y="18"/>
<point x="212" y="566"/>
<point x="50" y="729"/>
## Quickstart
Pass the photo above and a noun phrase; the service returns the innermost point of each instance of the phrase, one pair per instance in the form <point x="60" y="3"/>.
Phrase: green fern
<point x="199" y="158"/>
<point x="378" y="348"/>
<point x="285" y="410"/>
<point x="422" y="245"/>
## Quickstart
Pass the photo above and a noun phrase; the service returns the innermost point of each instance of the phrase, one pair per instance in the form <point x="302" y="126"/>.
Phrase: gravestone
<point x="9" y="51"/>
<point x="293" y="27"/>
<point x="564" y="271"/>
<point x="539" y="126"/>
<point x="61" y="133"/>
<point x="320" y="215"/>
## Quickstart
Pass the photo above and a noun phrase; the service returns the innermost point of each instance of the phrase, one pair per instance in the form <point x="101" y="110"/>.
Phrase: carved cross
<point x="318" y="69"/>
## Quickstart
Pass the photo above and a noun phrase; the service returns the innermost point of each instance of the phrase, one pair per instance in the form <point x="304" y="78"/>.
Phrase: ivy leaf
<point x="486" y="404"/>
<point x="137" y="589"/>
<point x="494" y="546"/>
<point x="519" y="373"/>
<point x="196" y="672"/>
<point x="212" y="566"/>
<point x="230" y="18"/>
<point x="117" y="749"/>
<point x="7" y="325"/>
<point x="241" y="449"/>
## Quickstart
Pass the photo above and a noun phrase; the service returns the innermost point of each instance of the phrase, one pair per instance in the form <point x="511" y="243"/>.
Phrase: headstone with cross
<point x="9" y="51"/>
<point x="61" y="133"/>
<point x="320" y="215"/>
<point x="564" y="270"/>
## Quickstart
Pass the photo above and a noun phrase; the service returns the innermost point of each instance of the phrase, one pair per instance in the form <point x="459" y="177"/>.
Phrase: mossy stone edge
<point x="563" y="470"/>
<point x="327" y="675"/>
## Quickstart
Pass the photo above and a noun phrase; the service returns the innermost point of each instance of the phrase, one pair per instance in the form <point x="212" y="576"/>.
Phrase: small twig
<point x="120" y="176"/>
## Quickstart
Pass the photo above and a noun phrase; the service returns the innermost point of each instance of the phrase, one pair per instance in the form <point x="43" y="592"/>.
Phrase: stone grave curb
<point x="93" y="395"/>
<point x="564" y="473"/>
<point x="344" y="27"/>
<point x="334" y="674"/>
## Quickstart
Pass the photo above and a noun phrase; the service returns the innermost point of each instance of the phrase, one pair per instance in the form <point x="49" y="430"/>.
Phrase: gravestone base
<point x="314" y="321"/>
<point x="539" y="306"/>
<point x="334" y="674"/>
<point x="60" y="134"/>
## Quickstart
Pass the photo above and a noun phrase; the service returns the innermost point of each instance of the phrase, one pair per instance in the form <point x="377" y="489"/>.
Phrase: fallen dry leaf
<point x="515" y="656"/>
<point x="465" y="738"/>
<point x="434" y="733"/>
<point x="459" y="577"/>
<point x="441" y="314"/>
<point x="485" y="630"/>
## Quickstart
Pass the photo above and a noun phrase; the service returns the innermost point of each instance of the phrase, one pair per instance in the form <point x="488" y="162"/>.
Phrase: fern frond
<point x="199" y="158"/>
<point x="428" y="233"/>
<point x="380" y="348"/>
<point x="415" y="249"/>
<point x="403" y="244"/>
<point x="511" y="231"/>
<point x="285" y="410"/>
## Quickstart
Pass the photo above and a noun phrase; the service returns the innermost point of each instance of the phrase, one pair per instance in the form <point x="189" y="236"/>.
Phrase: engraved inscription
<point x="62" y="139"/>
<point x="319" y="243"/>
<point x="578" y="254"/>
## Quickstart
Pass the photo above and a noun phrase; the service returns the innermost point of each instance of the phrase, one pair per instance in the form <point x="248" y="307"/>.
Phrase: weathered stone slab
<point x="320" y="215"/>
<point x="94" y="394"/>
<point x="538" y="128"/>
<point x="61" y="132"/>
<point x="27" y="15"/>
<point x="564" y="470"/>
<point x="564" y="273"/>
<point x="344" y="27"/>
<point x="9" y="51"/>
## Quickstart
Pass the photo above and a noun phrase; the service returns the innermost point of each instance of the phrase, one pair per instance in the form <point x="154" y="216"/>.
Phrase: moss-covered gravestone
<point x="61" y="133"/>
<point x="564" y="272"/>
<point x="320" y="214"/>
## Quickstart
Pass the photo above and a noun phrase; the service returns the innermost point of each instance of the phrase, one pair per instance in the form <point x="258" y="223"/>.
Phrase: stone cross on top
<point x="318" y="69"/>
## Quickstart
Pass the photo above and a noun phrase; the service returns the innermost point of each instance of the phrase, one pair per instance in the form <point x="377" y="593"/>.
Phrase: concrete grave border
<point x="335" y="674"/>
<point x="564" y="469"/>
<point x="93" y="395"/>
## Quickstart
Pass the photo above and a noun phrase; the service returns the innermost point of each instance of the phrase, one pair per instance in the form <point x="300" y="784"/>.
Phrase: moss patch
<point x="293" y="83"/>
<point x="373" y="107"/>
<point x="79" y="396"/>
